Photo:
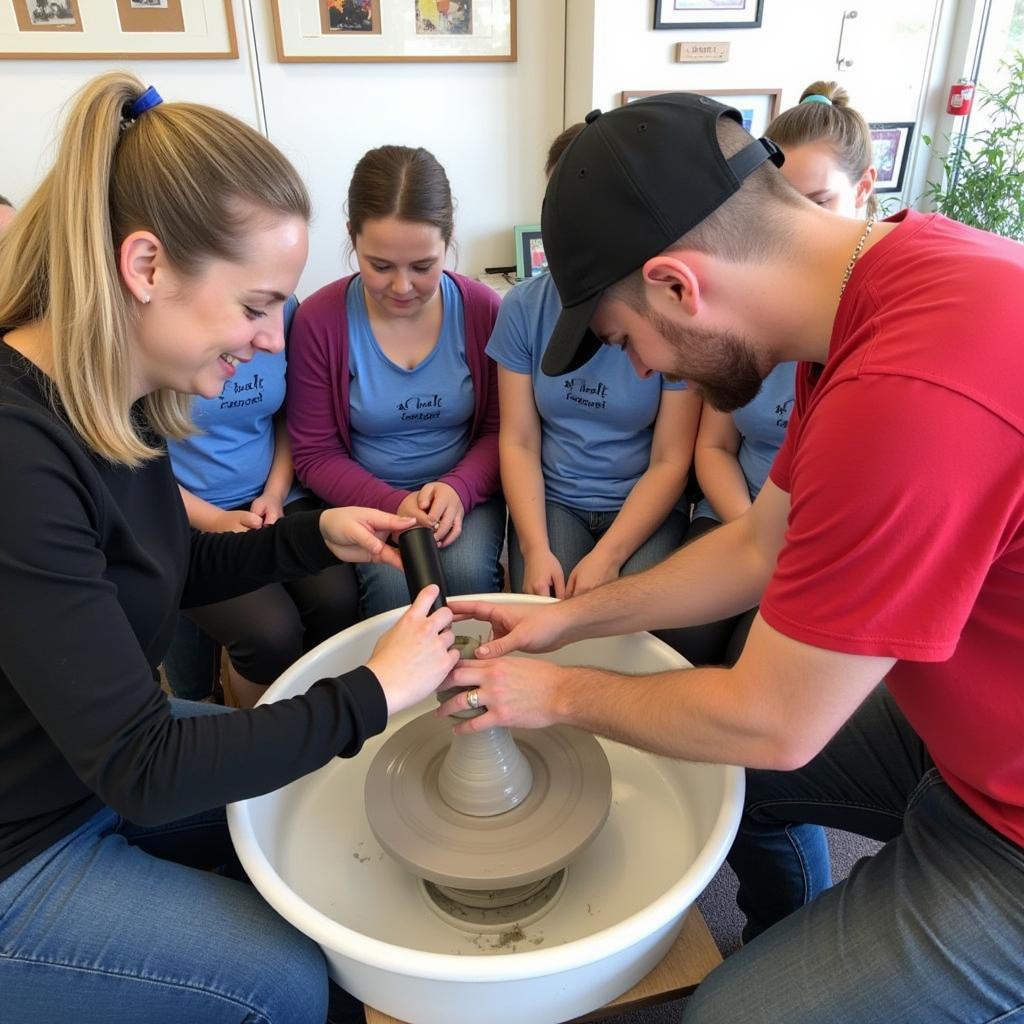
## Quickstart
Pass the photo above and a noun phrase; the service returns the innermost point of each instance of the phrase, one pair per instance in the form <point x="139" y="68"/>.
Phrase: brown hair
<point x="193" y="176"/>
<point x="398" y="181"/>
<point x="560" y="145"/>
<point x="836" y="124"/>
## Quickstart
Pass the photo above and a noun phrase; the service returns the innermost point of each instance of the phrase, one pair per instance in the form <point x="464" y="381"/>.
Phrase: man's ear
<point x="671" y="281"/>
<point x="138" y="261"/>
<point x="865" y="186"/>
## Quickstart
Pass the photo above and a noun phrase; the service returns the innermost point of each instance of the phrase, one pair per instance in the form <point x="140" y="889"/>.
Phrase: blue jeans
<point x="574" y="533"/>
<point x="928" y="931"/>
<point x="120" y="923"/>
<point x="470" y="564"/>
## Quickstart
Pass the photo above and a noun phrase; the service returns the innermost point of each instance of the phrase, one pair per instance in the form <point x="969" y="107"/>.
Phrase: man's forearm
<point x="720" y="574"/>
<point x="695" y="714"/>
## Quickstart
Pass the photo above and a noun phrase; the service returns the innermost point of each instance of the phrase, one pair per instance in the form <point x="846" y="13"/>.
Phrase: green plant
<point x="983" y="173"/>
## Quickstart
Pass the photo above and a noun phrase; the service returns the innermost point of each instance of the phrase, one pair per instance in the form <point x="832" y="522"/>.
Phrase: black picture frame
<point x="661" y="22"/>
<point x="890" y="143"/>
<point x="528" y="245"/>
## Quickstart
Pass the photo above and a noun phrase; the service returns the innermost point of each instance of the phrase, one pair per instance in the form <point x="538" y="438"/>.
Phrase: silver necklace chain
<point x="856" y="256"/>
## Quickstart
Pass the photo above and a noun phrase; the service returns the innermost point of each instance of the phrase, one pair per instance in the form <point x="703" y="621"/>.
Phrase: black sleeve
<point x="224" y="565"/>
<point x="68" y="649"/>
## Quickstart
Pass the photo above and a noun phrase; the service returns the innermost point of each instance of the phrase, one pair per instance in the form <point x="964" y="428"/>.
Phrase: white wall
<point x="890" y="45"/>
<point x="488" y="123"/>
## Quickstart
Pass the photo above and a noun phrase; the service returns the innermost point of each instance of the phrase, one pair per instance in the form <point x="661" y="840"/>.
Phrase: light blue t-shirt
<point x="229" y="462"/>
<point x="409" y="426"/>
<point x="762" y="424"/>
<point x="597" y="423"/>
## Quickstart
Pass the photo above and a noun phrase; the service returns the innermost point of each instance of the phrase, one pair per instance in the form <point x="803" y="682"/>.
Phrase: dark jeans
<point x="714" y="643"/>
<point x="573" y="533"/>
<point x="928" y="931"/>
<point x="263" y="631"/>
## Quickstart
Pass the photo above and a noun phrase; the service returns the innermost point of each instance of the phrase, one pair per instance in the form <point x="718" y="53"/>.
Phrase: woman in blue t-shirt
<point x="392" y="402"/>
<point x="593" y="463"/>
<point x="828" y="158"/>
<point x="236" y="476"/>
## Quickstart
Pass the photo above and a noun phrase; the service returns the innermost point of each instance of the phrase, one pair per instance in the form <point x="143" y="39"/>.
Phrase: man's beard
<point x="721" y="366"/>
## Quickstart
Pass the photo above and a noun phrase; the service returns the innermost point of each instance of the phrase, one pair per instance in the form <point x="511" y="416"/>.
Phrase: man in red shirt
<point x="888" y="544"/>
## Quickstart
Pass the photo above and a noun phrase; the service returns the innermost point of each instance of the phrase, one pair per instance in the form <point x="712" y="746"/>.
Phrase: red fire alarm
<point x="961" y="96"/>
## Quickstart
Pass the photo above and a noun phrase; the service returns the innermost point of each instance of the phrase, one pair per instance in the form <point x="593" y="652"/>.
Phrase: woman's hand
<point x="235" y="522"/>
<point x="443" y="506"/>
<point x="269" y="507"/>
<point x="543" y="575"/>
<point x="415" y="655"/>
<point x="358" y="534"/>
<point x="591" y="571"/>
<point x="411" y="509"/>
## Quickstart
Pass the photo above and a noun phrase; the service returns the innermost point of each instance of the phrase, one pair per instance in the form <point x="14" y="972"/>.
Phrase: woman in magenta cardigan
<point x="391" y="398"/>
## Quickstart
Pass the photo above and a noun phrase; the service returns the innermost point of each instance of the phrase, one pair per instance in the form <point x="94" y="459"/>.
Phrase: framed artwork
<point x="757" y="106"/>
<point x="117" y="30"/>
<point x="530" y="258"/>
<point x="890" y="143"/>
<point x="686" y="14"/>
<point x="314" y="31"/>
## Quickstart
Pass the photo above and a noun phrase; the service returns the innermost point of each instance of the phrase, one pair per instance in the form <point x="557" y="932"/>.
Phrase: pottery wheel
<point x="564" y="810"/>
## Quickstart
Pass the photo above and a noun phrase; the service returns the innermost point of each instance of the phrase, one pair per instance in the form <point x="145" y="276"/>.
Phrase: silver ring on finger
<point x="473" y="699"/>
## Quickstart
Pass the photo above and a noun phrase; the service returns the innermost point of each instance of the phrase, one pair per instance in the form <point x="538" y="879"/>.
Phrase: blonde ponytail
<point x="183" y="171"/>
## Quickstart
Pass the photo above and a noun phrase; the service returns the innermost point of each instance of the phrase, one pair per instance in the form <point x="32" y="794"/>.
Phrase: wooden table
<point x="690" y="959"/>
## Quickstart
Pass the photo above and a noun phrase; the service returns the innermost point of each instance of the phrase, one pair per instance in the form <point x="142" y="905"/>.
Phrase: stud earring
<point x="145" y="299"/>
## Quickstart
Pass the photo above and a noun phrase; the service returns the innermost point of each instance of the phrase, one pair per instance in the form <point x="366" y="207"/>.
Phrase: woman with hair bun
<point x="154" y="258"/>
<point x="827" y="145"/>
<point x="392" y="401"/>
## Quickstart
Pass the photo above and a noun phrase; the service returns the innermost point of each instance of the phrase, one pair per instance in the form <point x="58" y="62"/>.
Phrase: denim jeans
<point x="574" y="533"/>
<point x="470" y="564"/>
<point x="928" y="931"/>
<point x="119" y="923"/>
<point x="712" y="643"/>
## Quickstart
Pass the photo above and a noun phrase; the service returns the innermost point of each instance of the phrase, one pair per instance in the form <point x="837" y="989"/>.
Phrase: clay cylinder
<point x="422" y="563"/>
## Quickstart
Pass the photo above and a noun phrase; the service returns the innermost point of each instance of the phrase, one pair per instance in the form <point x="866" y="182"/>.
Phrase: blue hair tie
<point x="816" y="97"/>
<point x="149" y="99"/>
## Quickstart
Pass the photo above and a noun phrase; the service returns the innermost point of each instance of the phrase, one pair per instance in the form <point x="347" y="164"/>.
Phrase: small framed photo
<point x="757" y="107"/>
<point x="117" y="30"/>
<point x="687" y="14"/>
<point x="48" y="15"/>
<point x="890" y="142"/>
<point x="360" y="17"/>
<point x="150" y="15"/>
<point x="368" y="31"/>
<point x="530" y="258"/>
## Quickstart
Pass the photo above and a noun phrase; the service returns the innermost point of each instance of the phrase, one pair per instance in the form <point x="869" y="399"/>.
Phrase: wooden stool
<point x="687" y="963"/>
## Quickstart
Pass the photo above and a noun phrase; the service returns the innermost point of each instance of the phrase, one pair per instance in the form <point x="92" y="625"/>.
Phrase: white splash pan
<point x="309" y="850"/>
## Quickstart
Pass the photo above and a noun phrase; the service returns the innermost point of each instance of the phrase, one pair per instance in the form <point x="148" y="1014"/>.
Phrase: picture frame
<point x="328" y="31"/>
<point x="530" y="259"/>
<point x="678" y="15"/>
<point x="117" y="30"/>
<point x="890" y="144"/>
<point x="758" y="106"/>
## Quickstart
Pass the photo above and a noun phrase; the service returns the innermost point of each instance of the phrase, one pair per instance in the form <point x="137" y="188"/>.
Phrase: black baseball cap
<point x="630" y="184"/>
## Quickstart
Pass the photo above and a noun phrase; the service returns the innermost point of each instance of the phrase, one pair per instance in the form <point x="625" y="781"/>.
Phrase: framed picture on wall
<point x="757" y="106"/>
<point x="314" y="31"/>
<point x="684" y="14"/>
<point x="530" y="258"/>
<point x="890" y="143"/>
<point x="117" y="30"/>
